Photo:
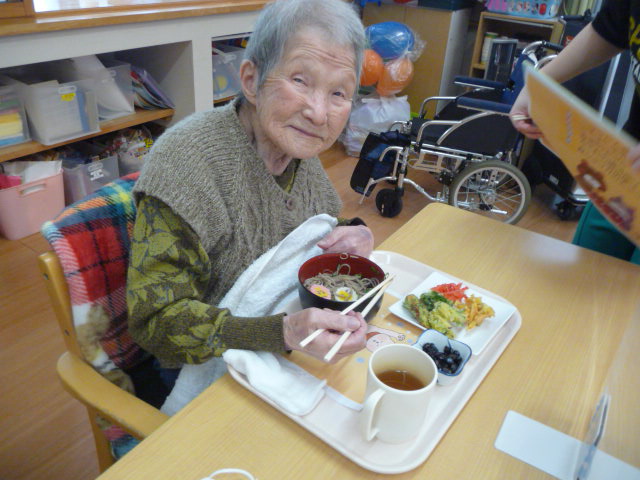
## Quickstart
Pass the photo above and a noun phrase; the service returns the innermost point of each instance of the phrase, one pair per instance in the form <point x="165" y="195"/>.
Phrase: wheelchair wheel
<point x="494" y="189"/>
<point x="389" y="202"/>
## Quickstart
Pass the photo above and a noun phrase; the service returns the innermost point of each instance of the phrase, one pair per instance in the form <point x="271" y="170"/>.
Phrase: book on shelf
<point x="592" y="149"/>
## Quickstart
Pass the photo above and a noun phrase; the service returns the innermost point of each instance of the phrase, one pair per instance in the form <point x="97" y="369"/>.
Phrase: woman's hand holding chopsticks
<point x="332" y="324"/>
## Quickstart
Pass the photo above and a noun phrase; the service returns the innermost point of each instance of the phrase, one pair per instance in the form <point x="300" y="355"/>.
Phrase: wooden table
<point x="575" y="306"/>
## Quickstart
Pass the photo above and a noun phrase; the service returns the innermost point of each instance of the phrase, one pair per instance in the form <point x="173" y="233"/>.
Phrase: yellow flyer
<point x="591" y="147"/>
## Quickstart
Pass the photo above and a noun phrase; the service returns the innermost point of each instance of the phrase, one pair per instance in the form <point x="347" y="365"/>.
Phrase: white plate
<point x="477" y="338"/>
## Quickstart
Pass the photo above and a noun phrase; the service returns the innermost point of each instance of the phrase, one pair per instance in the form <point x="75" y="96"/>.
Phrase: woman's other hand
<point x="356" y="239"/>
<point x="300" y="325"/>
<point x="634" y="158"/>
<point x="520" y="118"/>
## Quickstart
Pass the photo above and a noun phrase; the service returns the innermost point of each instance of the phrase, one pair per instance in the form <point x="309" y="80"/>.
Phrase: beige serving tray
<point x="336" y="424"/>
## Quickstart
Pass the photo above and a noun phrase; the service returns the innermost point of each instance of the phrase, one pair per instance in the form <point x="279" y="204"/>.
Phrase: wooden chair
<point x="101" y="397"/>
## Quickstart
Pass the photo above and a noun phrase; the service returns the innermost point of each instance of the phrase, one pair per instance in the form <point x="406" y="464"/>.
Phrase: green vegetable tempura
<point x="432" y="310"/>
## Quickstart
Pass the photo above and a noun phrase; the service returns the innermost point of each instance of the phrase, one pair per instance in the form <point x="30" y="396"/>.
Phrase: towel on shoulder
<point x="253" y="295"/>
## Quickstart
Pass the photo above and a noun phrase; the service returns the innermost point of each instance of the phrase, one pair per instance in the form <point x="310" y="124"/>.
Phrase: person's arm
<point x="587" y="50"/>
<point x="168" y="275"/>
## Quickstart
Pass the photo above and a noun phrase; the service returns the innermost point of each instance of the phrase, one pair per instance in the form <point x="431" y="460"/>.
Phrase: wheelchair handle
<point x="541" y="44"/>
<point x="552" y="46"/>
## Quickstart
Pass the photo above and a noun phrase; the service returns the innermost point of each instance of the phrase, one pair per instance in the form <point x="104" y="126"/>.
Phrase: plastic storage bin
<point x="226" y="68"/>
<point x="57" y="112"/>
<point x="81" y="180"/>
<point x="542" y="9"/>
<point x="24" y="208"/>
<point x="115" y="93"/>
<point x="13" y="119"/>
<point x="112" y="81"/>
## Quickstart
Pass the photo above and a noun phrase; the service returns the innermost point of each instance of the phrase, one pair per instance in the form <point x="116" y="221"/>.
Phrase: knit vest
<point x="206" y="170"/>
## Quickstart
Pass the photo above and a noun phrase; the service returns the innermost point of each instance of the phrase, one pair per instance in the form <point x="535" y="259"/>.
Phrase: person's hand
<point x="634" y="158"/>
<point x="357" y="240"/>
<point x="300" y="325"/>
<point x="520" y="118"/>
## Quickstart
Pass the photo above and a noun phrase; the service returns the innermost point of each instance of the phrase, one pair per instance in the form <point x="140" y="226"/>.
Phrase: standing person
<point x="222" y="187"/>
<point x="615" y="28"/>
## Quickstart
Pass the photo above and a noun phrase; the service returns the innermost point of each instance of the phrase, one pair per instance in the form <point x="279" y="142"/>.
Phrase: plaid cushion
<point x="92" y="240"/>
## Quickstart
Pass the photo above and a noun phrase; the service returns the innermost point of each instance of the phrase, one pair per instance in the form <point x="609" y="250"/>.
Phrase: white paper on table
<point x="554" y="452"/>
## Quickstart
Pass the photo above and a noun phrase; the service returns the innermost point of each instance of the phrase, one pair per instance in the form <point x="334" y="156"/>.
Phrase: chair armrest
<point x="478" y="83"/>
<point x="124" y="409"/>
<point x="484" y="105"/>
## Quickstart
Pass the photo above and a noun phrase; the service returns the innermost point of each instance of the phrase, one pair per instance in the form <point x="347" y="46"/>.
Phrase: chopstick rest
<point x="304" y="342"/>
<point x="345" y="335"/>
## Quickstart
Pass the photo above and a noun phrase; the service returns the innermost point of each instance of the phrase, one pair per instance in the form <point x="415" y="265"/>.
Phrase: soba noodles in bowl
<point x="336" y="280"/>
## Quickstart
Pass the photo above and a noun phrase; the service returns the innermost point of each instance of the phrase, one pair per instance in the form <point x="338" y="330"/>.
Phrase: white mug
<point x="395" y="414"/>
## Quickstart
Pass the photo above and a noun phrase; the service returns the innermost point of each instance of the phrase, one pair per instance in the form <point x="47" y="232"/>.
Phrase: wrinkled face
<point x="305" y="101"/>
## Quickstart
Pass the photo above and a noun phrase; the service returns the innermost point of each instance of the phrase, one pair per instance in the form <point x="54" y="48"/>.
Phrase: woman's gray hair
<point x="282" y="19"/>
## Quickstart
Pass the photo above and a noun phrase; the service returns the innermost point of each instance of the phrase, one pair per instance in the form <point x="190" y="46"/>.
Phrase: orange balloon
<point x="372" y="67"/>
<point x="397" y="74"/>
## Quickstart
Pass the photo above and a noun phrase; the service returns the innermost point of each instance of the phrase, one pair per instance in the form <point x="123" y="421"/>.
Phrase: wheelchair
<point x="469" y="146"/>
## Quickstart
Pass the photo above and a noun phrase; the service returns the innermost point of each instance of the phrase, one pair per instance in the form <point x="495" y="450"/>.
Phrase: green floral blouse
<point x="169" y="272"/>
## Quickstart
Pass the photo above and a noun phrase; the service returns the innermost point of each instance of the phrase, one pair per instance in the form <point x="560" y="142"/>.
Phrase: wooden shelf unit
<point x="13" y="152"/>
<point x="521" y="28"/>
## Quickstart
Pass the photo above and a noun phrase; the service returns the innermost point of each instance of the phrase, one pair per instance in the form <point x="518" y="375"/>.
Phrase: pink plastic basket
<point x="531" y="9"/>
<point x="24" y="208"/>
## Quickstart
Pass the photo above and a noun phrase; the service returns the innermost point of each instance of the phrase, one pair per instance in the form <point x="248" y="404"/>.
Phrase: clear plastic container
<point x="226" y="68"/>
<point x="81" y="180"/>
<point x="120" y="76"/>
<point x="57" y="112"/>
<point x="112" y="80"/>
<point x="13" y="119"/>
<point x="24" y="208"/>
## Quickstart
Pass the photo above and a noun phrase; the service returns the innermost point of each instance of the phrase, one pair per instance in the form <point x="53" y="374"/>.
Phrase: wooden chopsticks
<point x="345" y="335"/>
<point x="382" y="285"/>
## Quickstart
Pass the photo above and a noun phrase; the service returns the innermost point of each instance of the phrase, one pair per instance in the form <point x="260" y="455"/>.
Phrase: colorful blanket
<point x="92" y="240"/>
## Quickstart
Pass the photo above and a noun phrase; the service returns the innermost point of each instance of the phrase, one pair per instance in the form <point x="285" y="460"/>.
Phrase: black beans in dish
<point x="447" y="361"/>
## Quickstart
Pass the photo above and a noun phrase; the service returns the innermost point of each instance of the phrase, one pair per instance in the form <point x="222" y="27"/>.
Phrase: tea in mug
<point x="400" y="380"/>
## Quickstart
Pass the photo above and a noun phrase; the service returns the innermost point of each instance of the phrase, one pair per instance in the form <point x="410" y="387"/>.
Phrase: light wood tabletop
<point x="575" y="306"/>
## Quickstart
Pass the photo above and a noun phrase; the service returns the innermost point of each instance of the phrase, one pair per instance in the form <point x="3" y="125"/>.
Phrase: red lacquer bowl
<point x="329" y="262"/>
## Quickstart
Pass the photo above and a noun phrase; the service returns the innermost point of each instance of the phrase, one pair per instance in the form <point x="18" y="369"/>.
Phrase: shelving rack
<point x="13" y="152"/>
<point x="521" y="28"/>
<point x="174" y="46"/>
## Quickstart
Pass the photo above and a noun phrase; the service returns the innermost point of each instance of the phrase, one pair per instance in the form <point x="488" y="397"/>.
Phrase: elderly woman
<point x="223" y="186"/>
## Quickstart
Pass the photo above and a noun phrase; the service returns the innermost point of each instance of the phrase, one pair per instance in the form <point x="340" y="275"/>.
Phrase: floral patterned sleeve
<point x="169" y="272"/>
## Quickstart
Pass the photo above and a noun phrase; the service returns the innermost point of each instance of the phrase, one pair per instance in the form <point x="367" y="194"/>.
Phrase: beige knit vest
<point x="205" y="169"/>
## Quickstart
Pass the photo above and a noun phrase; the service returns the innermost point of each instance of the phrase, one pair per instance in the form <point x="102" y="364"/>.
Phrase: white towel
<point x="253" y="295"/>
<point x="291" y="387"/>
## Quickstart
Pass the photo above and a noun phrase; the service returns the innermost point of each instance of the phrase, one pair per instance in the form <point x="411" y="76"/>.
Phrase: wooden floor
<point x="44" y="433"/>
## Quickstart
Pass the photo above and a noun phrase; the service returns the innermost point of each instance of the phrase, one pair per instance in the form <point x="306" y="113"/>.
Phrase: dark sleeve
<point x="612" y="22"/>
